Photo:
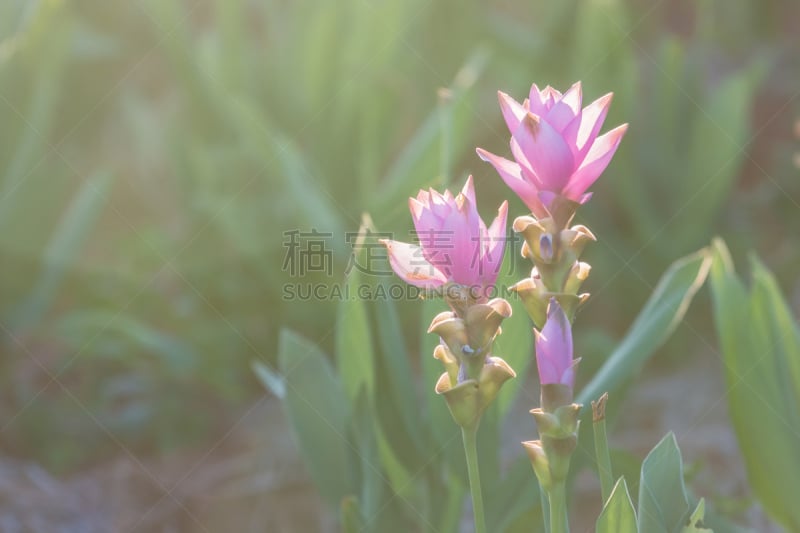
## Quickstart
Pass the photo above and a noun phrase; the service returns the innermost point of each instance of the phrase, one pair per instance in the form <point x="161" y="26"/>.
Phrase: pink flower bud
<point x="554" y="348"/>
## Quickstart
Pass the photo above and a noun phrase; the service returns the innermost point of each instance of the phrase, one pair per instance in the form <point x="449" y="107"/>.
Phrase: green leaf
<point x="372" y="479"/>
<point x="760" y="344"/>
<point x="618" y="515"/>
<point x="663" y="503"/>
<point x="317" y="409"/>
<point x="396" y="402"/>
<point x="655" y="323"/>
<point x="696" y="520"/>
<point x="354" y="352"/>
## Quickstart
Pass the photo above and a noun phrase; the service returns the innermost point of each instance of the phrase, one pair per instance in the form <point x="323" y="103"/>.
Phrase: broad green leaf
<point x="355" y="360"/>
<point x="618" y="515"/>
<point x="317" y="408"/>
<point x="784" y="335"/>
<point x="372" y="478"/>
<point x="655" y="323"/>
<point x="395" y="397"/>
<point x="663" y="503"/>
<point x="695" y="524"/>
<point x="759" y="344"/>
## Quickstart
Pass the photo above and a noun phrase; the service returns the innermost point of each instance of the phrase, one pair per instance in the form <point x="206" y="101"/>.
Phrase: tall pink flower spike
<point x="555" y="145"/>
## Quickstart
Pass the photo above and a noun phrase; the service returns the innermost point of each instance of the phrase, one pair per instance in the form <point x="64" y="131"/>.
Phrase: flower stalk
<point x="470" y="437"/>
<point x="558" y="154"/>
<point x="458" y="257"/>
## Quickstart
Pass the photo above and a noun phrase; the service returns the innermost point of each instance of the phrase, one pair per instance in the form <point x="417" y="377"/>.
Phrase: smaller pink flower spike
<point x="454" y="244"/>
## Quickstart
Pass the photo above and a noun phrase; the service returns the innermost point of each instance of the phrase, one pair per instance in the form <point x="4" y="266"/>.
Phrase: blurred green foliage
<point x="154" y="154"/>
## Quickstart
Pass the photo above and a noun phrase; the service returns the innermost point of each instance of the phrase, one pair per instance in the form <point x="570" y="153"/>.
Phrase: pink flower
<point x="454" y="243"/>
<point x="554" y="348"/>
<point x="555" y="145"/>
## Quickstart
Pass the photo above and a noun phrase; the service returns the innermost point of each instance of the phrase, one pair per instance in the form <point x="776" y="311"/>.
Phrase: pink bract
<point x="554" y="348"/>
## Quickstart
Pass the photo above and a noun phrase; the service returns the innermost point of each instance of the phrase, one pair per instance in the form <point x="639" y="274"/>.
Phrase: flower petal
<point x="513" y="111"/>
<point x="583" y="130"/>
<point x="548" y="155"/>
<point x="566" y="109"/>
<point x="458" y="244"/>
<point x="494" y="246"/>
<point x="512" y="175"/>
<point x="425" y="221"/>
<point x="596" y="161"/>
<point x="469" y="190"/>
<point x="409" y="264"/>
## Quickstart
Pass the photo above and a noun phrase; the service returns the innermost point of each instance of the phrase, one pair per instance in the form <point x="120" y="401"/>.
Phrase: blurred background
<point x="163" y="163"/>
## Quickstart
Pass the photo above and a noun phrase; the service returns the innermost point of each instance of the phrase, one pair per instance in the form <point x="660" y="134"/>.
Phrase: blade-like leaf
<point x="661" y="314"/>
<point x="395" y="398"/>
<point x="354" y="350"/>
<point x="759" y="343"/>
<point x="663" y="503"/>
<point x="317" y="409"/>
<point x="618" y="515"/>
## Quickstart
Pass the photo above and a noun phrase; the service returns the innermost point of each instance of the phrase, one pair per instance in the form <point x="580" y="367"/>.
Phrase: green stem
<point x="603" y="458"/>
<point x="545" y="509"/>
<point x="471" y="450"/>
<point x="558" y="508"/>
